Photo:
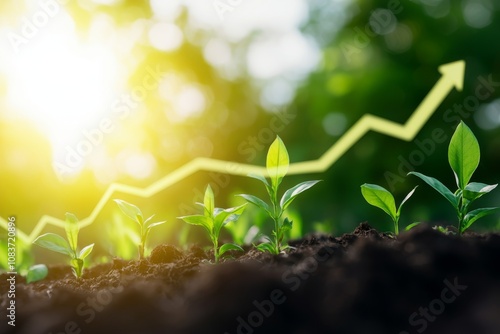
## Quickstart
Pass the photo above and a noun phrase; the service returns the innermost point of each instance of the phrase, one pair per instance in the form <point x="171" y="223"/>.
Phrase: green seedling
<point x="213" y="219"/>
<point x="463" y="156"/>
<point x="381" y="198"/>
<point x="36" y="273"/>
<point x="277" y="164"/>
<point x="134" y="213"/>
<point x="58" y="244"/>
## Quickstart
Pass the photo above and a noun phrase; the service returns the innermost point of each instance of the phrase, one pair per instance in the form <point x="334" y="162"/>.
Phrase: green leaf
<point x="474" y="215"/>
<point x="406" y="198"/>
<point x="463" y="154"/>
<point x="287" y="225"/>
<point x="72" y="230"/>
<point x="293" y="192"/>
<point x="266" y="247"/>
<point x="409" y="227"/>
<point x="227" y="247"/>
<point x="131" y="211"/>
<point x="260" y="178"/>
<point x="277" y="162"/>
<point x="156" y="224"/>
<point x="474" y="190"/>
<point x="85" y="251"/>
<point x="196" y="220"/>
<point x="226" y="216"/>
<point x="380" y="198"/>
<point x="439" y="187"/>
<point x="257" y="201"/>
<point x="208" y="201"/>
<point x="53" y="242"/>
<point x="36" y="273"/>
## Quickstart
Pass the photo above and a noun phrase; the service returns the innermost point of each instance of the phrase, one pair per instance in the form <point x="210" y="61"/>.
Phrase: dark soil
<point x="365" y="282"/>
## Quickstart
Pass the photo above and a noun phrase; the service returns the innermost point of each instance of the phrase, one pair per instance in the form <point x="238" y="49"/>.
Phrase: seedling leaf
<point x="257" y="201"/>
<point x="412" y="225"/>
<point x="463" y="154"/>
<point x="130" y="210"/>
<point x="36" y="273"/>
<point x="53" y="242"/>
<point x="439" y="187"/>
<point x="405" y="199"/>
<point x="196" y="220"/>
<point x="474" y="190"/>
<point x="266" y="247"/>
<point x="474" y="215"/>
<point x="208" y="201"/>
<point x="277" y="162"/>
<point x="380" y="198"/>
<point x="72" y="229"/>
<point x="156" y="224"/>
<point x="293" y="192"/>
<point x="86" y="251"/>
<point x="227" y="247"/>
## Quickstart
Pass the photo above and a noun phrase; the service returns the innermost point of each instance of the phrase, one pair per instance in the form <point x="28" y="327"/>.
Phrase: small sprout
<point x="213" y="219"/>
<point x="58" y="244"/>
<point x="36" y="273"/>
<point x="383" y="199"/>
<point x="463" y="156"/>
<point x="134" y="213"/>
<point x="277" y="164"/>
<point x="412" y="225"/>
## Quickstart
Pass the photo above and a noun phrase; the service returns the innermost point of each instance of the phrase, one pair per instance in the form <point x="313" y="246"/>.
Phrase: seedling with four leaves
<point x="134" y="213"/>
<point x="58" y="244"/>
<point x="381" y="198"/>
<point x="277" y="164"/>
<point x="463" y="156"/>
<point x="213" y="219"/>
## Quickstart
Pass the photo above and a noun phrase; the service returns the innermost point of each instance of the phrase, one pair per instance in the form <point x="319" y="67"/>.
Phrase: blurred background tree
<point x="100" y="91"/>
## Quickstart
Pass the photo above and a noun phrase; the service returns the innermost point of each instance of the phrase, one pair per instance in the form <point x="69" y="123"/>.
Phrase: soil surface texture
<point x="365" y="282"/>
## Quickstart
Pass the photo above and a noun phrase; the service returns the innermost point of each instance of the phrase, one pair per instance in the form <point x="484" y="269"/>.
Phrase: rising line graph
<point x="452" y="77"/>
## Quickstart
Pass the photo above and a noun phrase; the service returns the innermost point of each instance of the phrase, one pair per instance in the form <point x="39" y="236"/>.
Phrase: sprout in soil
<point x="134" y="213"/>
<point x="57" y="243"/>
<point x="463" y="156"/>
<point x="383" y="199"/>
<point x="213" y="219"/>
<point x="277" y="164"/>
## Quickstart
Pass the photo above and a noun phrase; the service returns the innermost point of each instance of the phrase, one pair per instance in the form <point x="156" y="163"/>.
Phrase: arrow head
<point x="454" y="73"/>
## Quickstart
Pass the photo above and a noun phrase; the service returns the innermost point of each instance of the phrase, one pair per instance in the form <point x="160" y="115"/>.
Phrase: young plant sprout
<point x="57" y="243"/>
<point x="213" y="219"/>
<point x="463" y="156"/>
<point x="277" y="164"/>
<point x="381" y="198"/>
<point x="134" y="213"/>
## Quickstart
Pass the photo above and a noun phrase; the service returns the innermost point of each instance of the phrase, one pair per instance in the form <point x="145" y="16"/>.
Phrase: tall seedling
<point x="277" y="164"/>
<point x="463" y="156"/>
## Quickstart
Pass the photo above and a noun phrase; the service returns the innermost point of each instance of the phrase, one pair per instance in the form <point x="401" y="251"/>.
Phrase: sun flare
<point x="63" y="83"/>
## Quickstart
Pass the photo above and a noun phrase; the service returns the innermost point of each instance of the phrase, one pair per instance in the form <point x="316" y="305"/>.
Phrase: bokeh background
<point x="94" y="92"/>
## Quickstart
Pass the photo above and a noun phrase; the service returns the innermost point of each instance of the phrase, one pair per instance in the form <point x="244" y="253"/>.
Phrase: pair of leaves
<point x="287" y="198"/>
<point x="134" y="213"/>
<point x="68" y="247"/>
<point x="213" y="219"/>
<point x="381" y="198"/>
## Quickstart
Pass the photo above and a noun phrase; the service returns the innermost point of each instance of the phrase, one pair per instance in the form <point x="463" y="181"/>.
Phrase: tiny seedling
<point x="463" y="156"/>
<point x="277" y="164"/>
<point x="36" y="273"/>
<point x="213" y="219"/>
<point x="57" y="243"/>
<point x="134" y="213"/>
<point x="381" y="198"/>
